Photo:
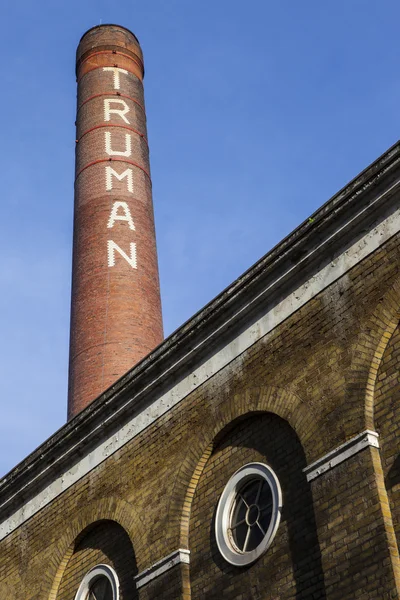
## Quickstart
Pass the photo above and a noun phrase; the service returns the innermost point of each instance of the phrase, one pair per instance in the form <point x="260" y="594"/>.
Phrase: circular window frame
<point x="98" y="571"/>
<point x="224" y="512"/>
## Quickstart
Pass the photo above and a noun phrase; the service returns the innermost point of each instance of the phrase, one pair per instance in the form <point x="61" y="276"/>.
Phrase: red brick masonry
<point x="116" y="309"/>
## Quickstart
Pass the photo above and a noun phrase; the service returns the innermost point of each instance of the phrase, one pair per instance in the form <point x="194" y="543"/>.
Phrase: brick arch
<point x="357" y="414"/>
<point x="385" y="320"/>
<point x="383" y="325"/>
<point x="380" y="407"/>
<point x="370" y="348"/>
<point x="105" y="509"/>
<point x="274" y="400"/>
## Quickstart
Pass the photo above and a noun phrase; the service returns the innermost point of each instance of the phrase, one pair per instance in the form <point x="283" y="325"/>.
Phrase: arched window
<point x="100" y="583"/>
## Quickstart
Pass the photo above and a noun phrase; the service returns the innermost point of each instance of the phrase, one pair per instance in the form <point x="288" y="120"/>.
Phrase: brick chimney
<point x="116" y="309"/>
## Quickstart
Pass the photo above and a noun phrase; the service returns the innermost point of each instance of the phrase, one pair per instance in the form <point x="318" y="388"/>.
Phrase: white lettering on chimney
<point x="126" y="216"/>
<point x="116" y="71"/>
<point x="128" y="146"/>
<point x="112" y="248"/>
<point x="127" y="173"/>
<point x="117" y="111"/>
<point x="120" y="210"/>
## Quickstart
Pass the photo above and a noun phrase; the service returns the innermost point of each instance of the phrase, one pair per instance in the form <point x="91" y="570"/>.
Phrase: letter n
<point x="112" y="248"/>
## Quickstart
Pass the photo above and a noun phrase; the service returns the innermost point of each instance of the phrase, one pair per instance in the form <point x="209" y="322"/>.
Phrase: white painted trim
<point x="341" y="453"/>
<point x="223" y="516"/>
<point x="162" y="566"/>
<point x="166" y="401"/>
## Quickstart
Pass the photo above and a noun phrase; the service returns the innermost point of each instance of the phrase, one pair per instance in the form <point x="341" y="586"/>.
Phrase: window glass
<point x="100" y="589"/>
<point x="251" y="515"/>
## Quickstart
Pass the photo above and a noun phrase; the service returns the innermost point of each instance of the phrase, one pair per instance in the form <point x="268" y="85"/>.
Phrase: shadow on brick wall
<point x="104" y="542"/>
<point x="292" y="566"/>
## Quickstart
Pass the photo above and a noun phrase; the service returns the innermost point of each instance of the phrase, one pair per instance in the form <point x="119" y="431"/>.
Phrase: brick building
<point x="253" y="454"/>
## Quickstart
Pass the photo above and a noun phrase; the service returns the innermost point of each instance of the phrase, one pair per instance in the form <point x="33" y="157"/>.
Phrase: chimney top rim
<point x="109" y="25"/>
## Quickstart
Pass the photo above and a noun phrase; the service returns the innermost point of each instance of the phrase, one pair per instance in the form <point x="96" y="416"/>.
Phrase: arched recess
<point x="363" y="360"/>
<point x="378" y="339"/>
<point x="385" y="320"/>
<point x="105" y="509"/>
<point x="102" y="542"/>
<point x="275" y="400"/>
<point x="260" y="436"/>
<point x="382" y="406"/>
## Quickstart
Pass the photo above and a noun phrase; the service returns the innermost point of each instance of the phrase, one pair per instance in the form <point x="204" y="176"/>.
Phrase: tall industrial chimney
<point x="116" y="309"/>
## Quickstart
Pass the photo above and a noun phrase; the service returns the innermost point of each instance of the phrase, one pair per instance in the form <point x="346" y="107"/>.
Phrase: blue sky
<point x="257" y="112"/>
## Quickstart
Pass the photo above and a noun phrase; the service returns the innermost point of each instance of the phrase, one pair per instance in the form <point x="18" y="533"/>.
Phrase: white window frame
<point x="224" y="512"/>
<point x="98" y="571"/>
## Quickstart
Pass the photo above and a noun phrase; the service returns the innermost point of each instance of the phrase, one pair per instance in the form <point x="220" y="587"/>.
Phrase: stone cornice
<point x="365" y="439"/>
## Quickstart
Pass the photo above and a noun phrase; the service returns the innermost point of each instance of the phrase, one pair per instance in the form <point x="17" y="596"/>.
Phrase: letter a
<point x="112" y="248"/>
<point x="114" y="216"/>
<point x="128" y="147"/>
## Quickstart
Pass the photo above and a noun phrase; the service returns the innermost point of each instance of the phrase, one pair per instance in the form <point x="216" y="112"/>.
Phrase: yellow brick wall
<point x="314" y="372"/>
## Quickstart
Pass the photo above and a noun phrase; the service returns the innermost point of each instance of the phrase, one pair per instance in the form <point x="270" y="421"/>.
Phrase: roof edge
<point x="111" y="406"/>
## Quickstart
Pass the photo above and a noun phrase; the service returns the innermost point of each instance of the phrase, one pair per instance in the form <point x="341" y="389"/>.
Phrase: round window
<point x="100" y="583"/>
<point x="248" y="514"/>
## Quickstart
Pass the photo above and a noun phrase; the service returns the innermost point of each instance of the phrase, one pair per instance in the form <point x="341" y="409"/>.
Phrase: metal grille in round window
<point x="100" y="583"/>
<point x="248" y="514"/>
<point x="100" y="590"/>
